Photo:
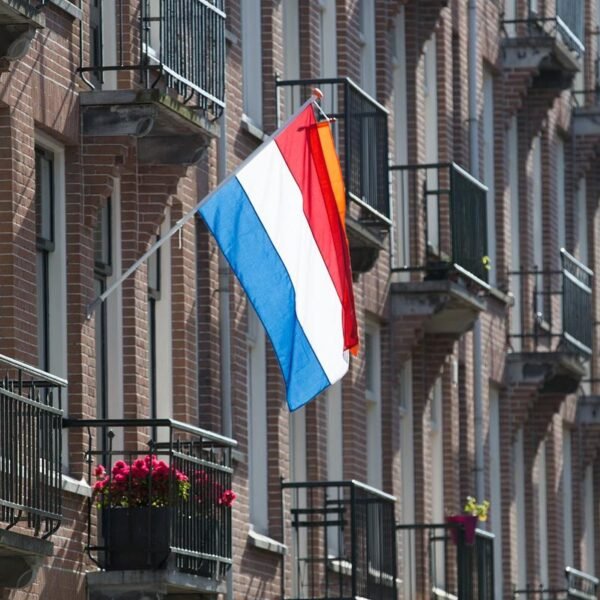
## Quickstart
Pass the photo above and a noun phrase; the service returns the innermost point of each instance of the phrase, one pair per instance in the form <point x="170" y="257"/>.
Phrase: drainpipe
<point x="474" y="165"/>
<point x="225" y="322"/>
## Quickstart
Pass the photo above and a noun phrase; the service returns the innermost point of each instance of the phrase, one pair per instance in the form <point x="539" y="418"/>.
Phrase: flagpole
<point x="316" y="95"/>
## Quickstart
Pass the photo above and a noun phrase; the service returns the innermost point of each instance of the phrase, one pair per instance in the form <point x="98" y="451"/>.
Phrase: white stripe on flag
<point x="277" y="199"/>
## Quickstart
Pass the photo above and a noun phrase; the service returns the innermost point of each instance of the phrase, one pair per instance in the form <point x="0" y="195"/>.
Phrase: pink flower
<point x="121" y="478"/>
<point x="120" y="467"/>
<point x="140" y="469"/>
<point x="100" y="472"/>
<point x="100" y="485"/>
<point x="227" y="498"/>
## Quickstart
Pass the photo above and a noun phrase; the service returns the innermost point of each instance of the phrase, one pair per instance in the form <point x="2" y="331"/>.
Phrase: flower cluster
<point x="151" y="482"/>
<point x="477" y="510"/>
<point x="209" y="491"/>
<point x="143" y="482"/>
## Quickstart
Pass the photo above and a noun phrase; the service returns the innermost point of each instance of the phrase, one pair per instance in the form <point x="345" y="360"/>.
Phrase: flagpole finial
<point x="317" y="93"/>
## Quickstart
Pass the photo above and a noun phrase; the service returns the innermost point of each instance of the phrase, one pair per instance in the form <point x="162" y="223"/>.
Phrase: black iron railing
<point x="572" y="285"/>
<point x="162" y="496"/>
<point x="30" y="448"/>
<point x="446" y="209"/>
<point x="361" y="134"/>
<point x="567" y="22"/>
<point x="579" y="586"/>
<point x="343" y="542"/>
<point x="181" y="47"/>
<point x="443" y="561"/>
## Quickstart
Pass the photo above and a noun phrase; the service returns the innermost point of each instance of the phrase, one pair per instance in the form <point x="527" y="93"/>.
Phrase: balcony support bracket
<point x="20" y="558"/>
<point x="553" y="372"/>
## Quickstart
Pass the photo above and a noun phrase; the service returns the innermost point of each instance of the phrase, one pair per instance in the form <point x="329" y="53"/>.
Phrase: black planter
<point x="135" y="538"/>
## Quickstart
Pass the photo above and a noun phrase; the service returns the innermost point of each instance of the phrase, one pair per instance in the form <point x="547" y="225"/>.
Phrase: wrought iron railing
<point x="361" y="134"/>
<point x="180" y="47"/>
<point x="30" y="448"/>
<point x="442" y="561"/>
<point x="566" y="22"/>
<point x="579" y="586"/>
<point x="343" y="542"/>
<point x="163" y="498"/>
<point x="446" y="209"/>
<point x="572" y="285"/>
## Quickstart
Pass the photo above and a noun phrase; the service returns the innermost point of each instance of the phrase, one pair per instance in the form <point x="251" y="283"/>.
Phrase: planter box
<point x="469" y="524"/>
<point x="135" y="538"/>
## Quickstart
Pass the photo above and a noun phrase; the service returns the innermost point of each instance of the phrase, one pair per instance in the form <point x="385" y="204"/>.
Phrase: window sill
<point x="253" y="129"/>
<point x="264" y="542"/>
<point x="79" y="488"/>
<point x="69" y="8"/>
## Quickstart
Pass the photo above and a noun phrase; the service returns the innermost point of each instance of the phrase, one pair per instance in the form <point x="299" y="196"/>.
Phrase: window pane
<point x="44" y="200"/>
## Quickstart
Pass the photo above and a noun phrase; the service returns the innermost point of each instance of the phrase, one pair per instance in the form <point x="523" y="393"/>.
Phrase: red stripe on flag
<point x="301" y="149"/>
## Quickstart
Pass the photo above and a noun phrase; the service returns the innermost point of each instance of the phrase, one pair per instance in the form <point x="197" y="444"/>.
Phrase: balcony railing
<point x="30" y="448"/>
<point x="343" y="543"/>
<point x="444" y="210"/>
<point x="439" y="563"/>
<point x="171" y="506"/>
<point x="572" y="285"/>
<point x="579" y="586"/>
<point x="180" y="47"/>
<point x="567" y="23"/>
<point x="361" y="135"/>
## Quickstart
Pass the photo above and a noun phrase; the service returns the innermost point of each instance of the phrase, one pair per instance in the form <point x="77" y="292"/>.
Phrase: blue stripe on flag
<point x="239" y="232"/>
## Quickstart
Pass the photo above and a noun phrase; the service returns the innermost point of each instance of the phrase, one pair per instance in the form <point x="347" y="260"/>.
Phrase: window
<point x="373" y="398"/>
<point x="44" y="206"/>
<point x="581" y="241"/>
<point x="538" y="224"/>
<point x="401" y="245"/>
<point x="102" y="271"/>
<point x="560" y="192"/>
<point x="335" y="453"/>
<point x="328" y="39"/>
<point x="542" y="513"/>
<point x="588" y="558"/>
<point x="257" y="422"/>
<point x="96" y="41"/>
<point x="159" y="329"/>
<point x="367" y="42"/>
<point x="518" y="509"/>
<point x="252" y="61"/>
<point x="291" y="40"/>
<point x="51" y="250"/>
<point x="488" y="169"/>
<point x="408" y="572"/>
<point x="436" y="445"/>
<point x="567" y="496"/>
<point x="109" y="315"/>
<point x="431" y="138"/>
<point x="512" y="149"/>
<point x="495" y="450"/>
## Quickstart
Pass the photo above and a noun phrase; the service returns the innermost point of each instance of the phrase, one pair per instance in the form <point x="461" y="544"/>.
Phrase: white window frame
<point x="257" y="424"/>
<point x="335" y="454"/>
<point x="252" y="62"/>
<point x="436" y="444"/>
<point x="560" y="192"/>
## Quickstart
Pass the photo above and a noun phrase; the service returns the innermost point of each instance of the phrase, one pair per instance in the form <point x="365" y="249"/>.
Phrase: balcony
<point x="30" y="469"/>
<point x="172" y="92"/>
<point x="361" y="136"/>
<point x="549" y="46"/>
<point x="439" y="561"/>
<point x="160" y="521"/>
<point x="19" y="22"/>
<point x="343" y="543"/>
<point x="441" y="259"/>
<point x="554" y="335"/>
<point x="579" y="586"/>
